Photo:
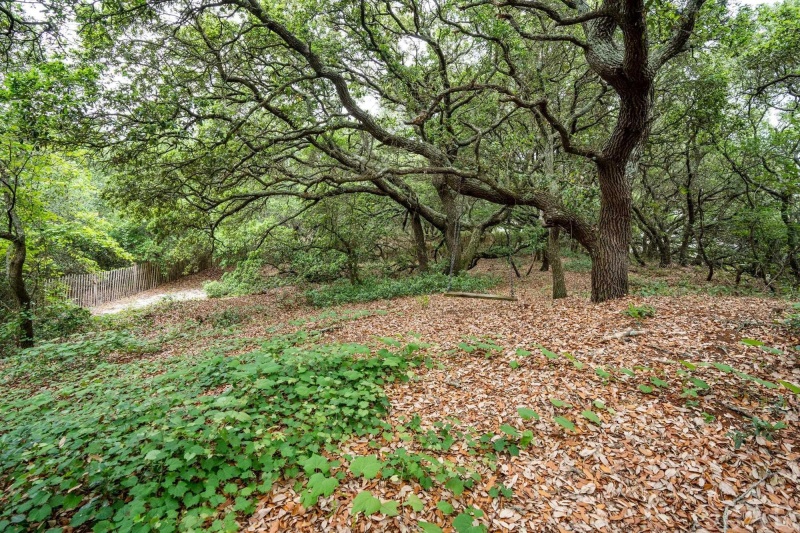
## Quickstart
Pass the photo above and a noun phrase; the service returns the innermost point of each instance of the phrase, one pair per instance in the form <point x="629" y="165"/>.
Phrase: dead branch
<point x="623" y="334"/>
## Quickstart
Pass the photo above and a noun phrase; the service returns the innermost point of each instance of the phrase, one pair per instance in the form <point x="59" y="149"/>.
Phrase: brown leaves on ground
<point x="655" y="464"/>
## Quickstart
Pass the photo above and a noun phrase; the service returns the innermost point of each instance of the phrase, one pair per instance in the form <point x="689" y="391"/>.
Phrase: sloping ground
<point x="661" y="459"/>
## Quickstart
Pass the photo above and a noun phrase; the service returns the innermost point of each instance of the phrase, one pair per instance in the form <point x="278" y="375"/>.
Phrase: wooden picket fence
<point x="89" y="290"/>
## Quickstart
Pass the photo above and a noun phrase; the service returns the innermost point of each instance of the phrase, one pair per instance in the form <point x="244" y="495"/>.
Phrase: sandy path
<point x="142" y="300"/>
<point x="188" y="288"/>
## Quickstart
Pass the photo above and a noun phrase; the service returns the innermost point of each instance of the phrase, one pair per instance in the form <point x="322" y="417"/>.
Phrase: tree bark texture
<point x="610" y="256"/>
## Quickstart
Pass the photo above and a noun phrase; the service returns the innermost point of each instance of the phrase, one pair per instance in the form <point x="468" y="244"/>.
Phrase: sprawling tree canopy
<point x="229" y="103"/>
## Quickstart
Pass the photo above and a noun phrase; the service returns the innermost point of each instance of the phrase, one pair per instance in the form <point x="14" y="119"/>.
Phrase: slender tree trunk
<point x="637" y="256"/>
<point x="610" y="255"/>
<point x="683" y="254"/>
<point x="419" y="242"/>
<point x="702" y="250"/>
<point x="15" y="260"/>
<point x="688" y="228"/>
<point x="791" y="238"/>
<point x="554" y="255"/>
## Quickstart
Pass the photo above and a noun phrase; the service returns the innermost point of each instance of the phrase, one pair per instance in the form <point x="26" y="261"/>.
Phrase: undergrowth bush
<point x="246" y="278"/>
<point x="183" y="443"/>
<point x="793" y="319"/>
<point x="640" y="311"/>
<point x="9" y="333"/>
<point x="227" y="318"/>
<point x="58" y="318"/>
<point x="319" y="266"/>
<point x="378" y="289"/>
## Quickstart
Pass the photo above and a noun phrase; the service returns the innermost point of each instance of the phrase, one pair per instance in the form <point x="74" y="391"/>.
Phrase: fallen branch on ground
<point x="737" y="410"/>
<point x="623" y="334"/>
<point x="738" y="499"/>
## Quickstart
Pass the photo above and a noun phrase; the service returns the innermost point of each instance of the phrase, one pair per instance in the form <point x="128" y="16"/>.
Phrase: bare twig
<point x="739" y="498"/>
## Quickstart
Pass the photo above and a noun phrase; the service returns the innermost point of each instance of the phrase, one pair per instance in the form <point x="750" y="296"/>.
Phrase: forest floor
<point x="669" y="399"/>
<point x="686" y="420"/>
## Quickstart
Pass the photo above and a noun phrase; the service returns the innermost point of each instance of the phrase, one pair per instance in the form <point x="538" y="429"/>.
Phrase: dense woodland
<point x="638" y="162"/>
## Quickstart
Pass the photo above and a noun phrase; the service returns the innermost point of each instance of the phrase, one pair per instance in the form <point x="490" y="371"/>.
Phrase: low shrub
<point x="371" y="289"/>
<point x="227" y="318"/>
<point x="793" y="319"/>
<point x="56" y="319"/>
<point x="651" y="288"/>
<point x="319" y="266"/>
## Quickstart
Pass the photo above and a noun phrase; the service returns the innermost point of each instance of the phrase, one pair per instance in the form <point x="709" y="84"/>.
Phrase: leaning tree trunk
<point x="610" y="254"/>
<point x="554" y="257"/>
<point x="15" y="260"/>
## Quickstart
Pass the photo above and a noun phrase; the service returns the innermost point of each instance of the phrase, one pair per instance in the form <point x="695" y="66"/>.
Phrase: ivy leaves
<point x="162" y="449"/>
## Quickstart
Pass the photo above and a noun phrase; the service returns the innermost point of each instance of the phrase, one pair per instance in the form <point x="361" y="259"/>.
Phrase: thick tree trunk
<point x="15" y="260"/>
<point x="664" y="251"/>
<point x="554" y="256"/>
<point x="469" y="251"/>
<point x="610" y="255"/>
<point x="419" y="242"/>
<point x="452" y="232"/>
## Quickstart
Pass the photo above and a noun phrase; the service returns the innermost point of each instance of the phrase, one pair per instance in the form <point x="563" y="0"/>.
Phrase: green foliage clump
<point x="246" y="278"/>
<point x="319" y="266"/>
<point x="58" y="318"/>
<point x="379" y="289"/>
<point x="58" y="361"/>
<point x="759" y="428"/>
<point x="639" y="311"/>
<point x="166" y="443"/>
<point x="227" y="318"/>
<point x="580" y="263"/>
<point x="652" y="288"/>
<point x="61" y="318"/>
